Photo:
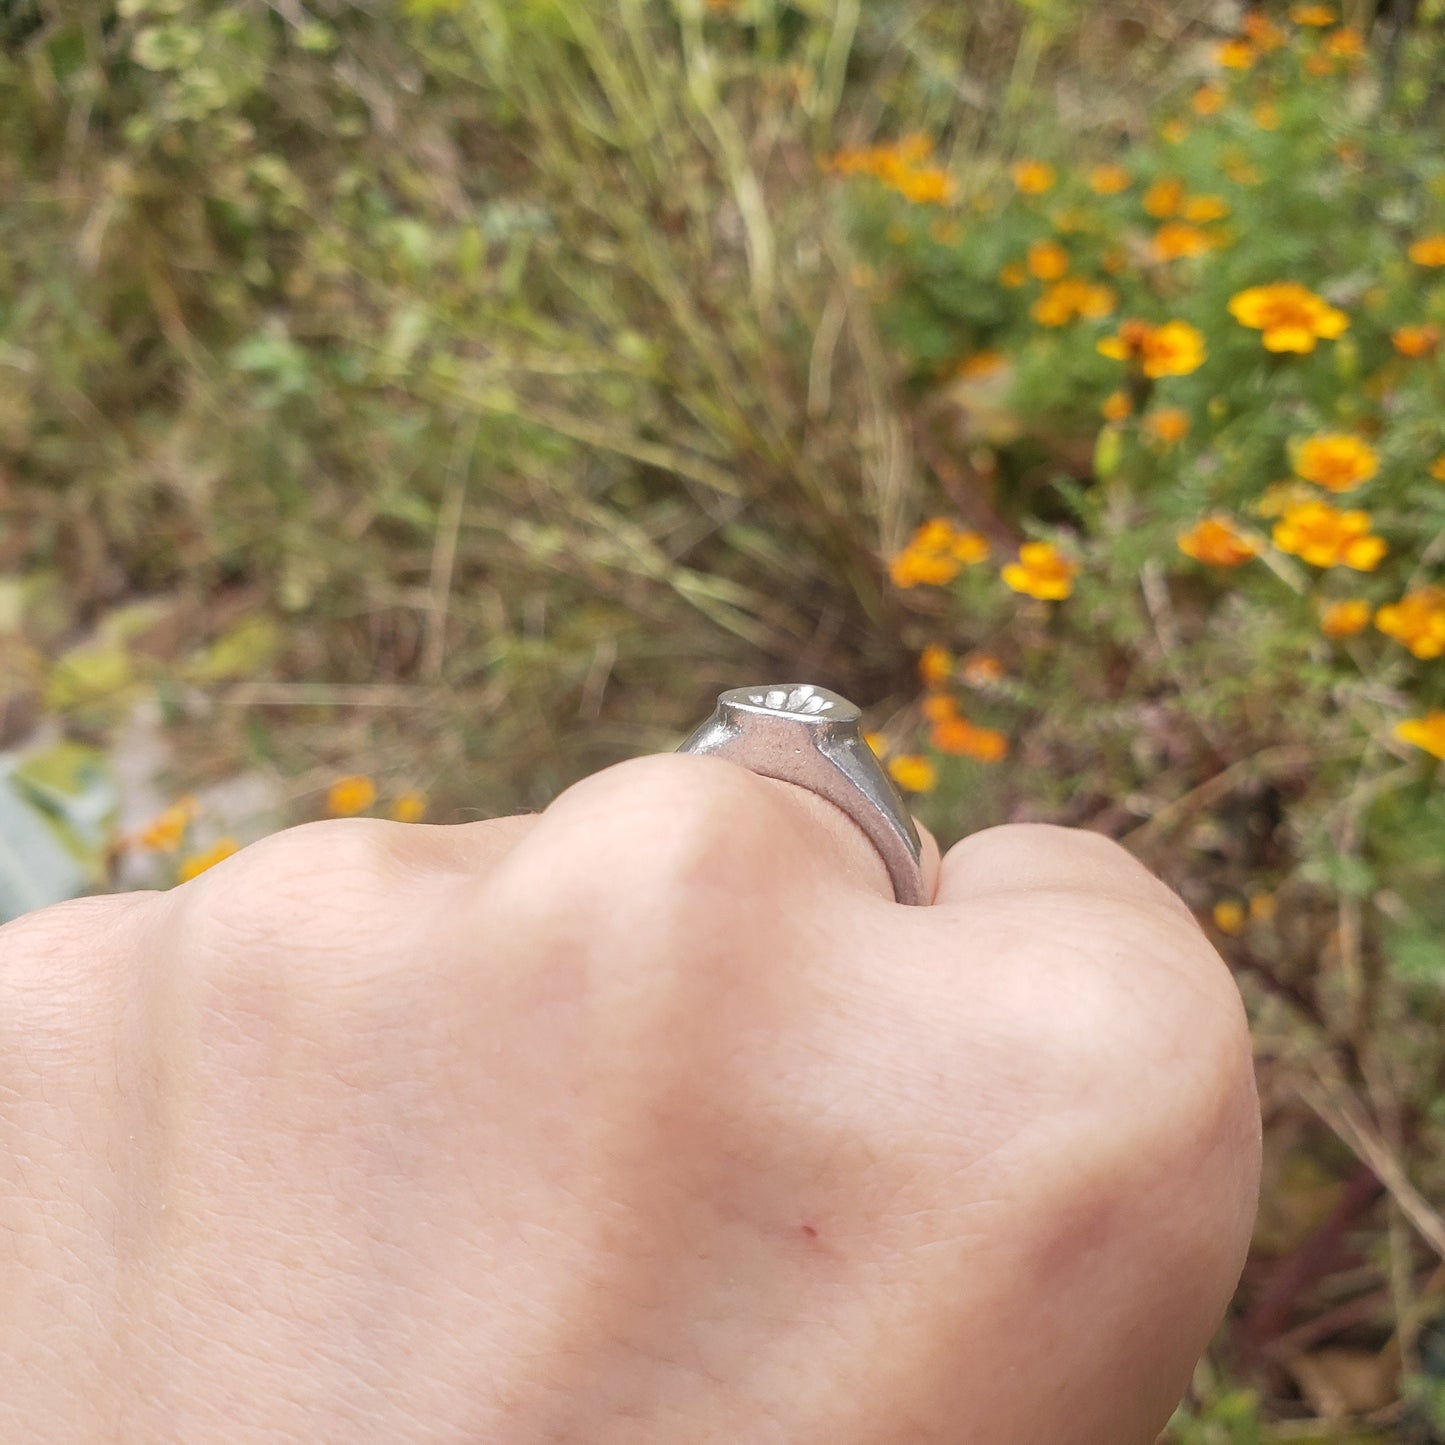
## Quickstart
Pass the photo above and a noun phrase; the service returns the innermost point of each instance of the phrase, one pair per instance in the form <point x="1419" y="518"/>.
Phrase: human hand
<point x="649" y="1119"/>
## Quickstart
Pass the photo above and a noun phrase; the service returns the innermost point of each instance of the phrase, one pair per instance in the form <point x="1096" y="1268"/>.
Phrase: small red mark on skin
<point x="809" y="1232"/>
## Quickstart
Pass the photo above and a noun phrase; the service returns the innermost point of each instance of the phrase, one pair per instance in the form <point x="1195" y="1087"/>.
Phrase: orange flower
<point x="1208" y="99"/>
<point x="409" y="807"/>
<point x="1047" y="260"/>
<point x="899" y="166"/>
<point x="1167" y="425"/>
<point x="926" y="186"/>
<point x="1345" y="618"/>
<point x="1217" y="542"/>
<point x="981" y="364"/>
<point x="1415" y="341"/>
<point x="1239" y="170"/>
<point x="1117" y="406"/>
<point x="1109" y="180"/>
<point x="1205" y="208"/>
<point x="1336" y="461"/>
<point x="164" y="832"/>
<point x="1417" y="620"/>
<point x="1041" y="571"/>
<point x="1266" y="115"/>
<point x="1177" y="238"/>
<point x="935" y="665"/>
<point x="1228" y="916"/>
<point x="1033" y="178"/>
<point x="1236" y="54"/>
<point x="197" y="863"/>
<point x="1174" y="131"/>
<point x="1164" y="198"/>
<point x="1429" y="251"/>
<point x="1174" y="349"/>
<point x="350" y="795"/>
<point x="939" y="707"/>
<point x="980" y="669"/>
<point x="1437" y="468"/>
<point x="935" y="554"/>
<point x="962" y="738"/>
<point x="1291" y="316"/>
<point x="913" y="774"/>
<point x="1346" y="43"/>
<point x="1258" y="27"/>
<point x="1072" y="298"/>
<point x="1013" y="275"/>
<point x="1426" y="732"/>
<point x="1317" y="15"/>
<point x="1324" y="536"/>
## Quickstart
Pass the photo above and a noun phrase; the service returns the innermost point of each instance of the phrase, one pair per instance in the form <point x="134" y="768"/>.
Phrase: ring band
<point x="807" y="735"/>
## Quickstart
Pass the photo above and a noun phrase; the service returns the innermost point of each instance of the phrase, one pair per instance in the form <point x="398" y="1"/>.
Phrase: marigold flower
<point x="1236" y="54"/>
<point x="1072" y="298"/>
<point x="1429" y="250"/>
<point x="1291" y="316"/>
<point x="1174" y="349"/>
<point x="926" y="186"/>
<point x="962" y="738"/>
<point x="1437" y="468"/>
<point x="1346" y="617"/>
<point x="1117" y="406"/>
<point x="1109" y="180"/>
<point x="1167" y="425"/>
<point x="1416" y="341"/>
<point x="980" y="669"/>
<point x="1240" y="171"/>
<point x="1337" y="461"/>
<point x="1262" y="907"/>
<point x="350" y="795"/>
<point x="1319" y="64"/>
<point x="912" y="773"/>
<point x="1164" y="198"/>
<point x="1346" y="43"/>
<point x="981" y="364"/>
<point x="1217" y="542"/>
<point x="1324" y="536"/>
<point x="1175" y="239"/>
<point x="164" y="832"/>
<point x="899" y="166"/>
<point x="1229" y="916"/>
<point x="1047" y="260"/>
<point x="935" y="664"/>
<point x="1174" y="131"/>
<point x="1317" y="15"/>
<point x="1426" y="732"/>
<point x="1417" y="621"/>
<point x="1208" y="99"/>
<point x="1041" y="571"/>
<point x="1205" y="208"/>
<point x="1013" y="275"/>
<point x="939" y="707"/>
<point x="197" y="863"/>
<point x="1266" y="115"/>
<point x="935" y="554"/>
<point x="1258" y="27"/>
<point x="408" y="807"/>
<point x="1033" y="178"/>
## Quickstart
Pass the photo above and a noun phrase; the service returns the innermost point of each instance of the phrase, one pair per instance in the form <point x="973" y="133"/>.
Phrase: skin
<point x="650" y="1118"/>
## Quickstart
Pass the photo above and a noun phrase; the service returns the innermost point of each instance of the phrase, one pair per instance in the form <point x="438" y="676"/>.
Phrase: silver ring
<point x="807" y="735"/>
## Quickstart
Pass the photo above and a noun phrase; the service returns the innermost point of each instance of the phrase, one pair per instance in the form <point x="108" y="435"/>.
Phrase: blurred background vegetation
<point x="413" y="406"/>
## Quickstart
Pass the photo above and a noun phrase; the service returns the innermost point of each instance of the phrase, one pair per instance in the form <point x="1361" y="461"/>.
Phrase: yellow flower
<point x="1070" y="220"/>
<point x="1033" y="178"/>
<point x="1047" y="260"/>
<point x="1236" y="54"/>
<point x="1258" y="27"/>
<point x="350" y="795"/>
<point x="1291" y="316"/>
<point x="1324" y="536"/>
<point x="1164" y="198"/>
<point x="1416" y="341"/>
<point x="939" y="707"/>
<point x="1346" y="43"/>
<point x="962" y="738"/>
<point x="935" y="554"/>
<point x="926" y="186"/>
<point x="1109" y="180"/>
<point x="197" y="863"/>
<point x="980" y="669"/>
<point x="1437" y="468"/>
<point x="1041" y="571"/>
<point x="409" y="807"/>
<point x="981" y="364"/>
<point x="1429" y="251"/>
<point x="1337" y="461"/>
<point x="1229" y="916"/>
<point x="1174" y="131"/>
<point x="1205" y="208"/>
<point x="1174" y="349"/>
<point x="935" y="665"/>
<point x="912" y="773"/>
<point x="1013" y="275"/>
<point x="1208" y="99"/>
<point x="1266" y="115"/>
<point x="1417" y="620"/>
<point x="1426" y="732"/>
<point x="1071" y="298"/>
<point x="1346" y="617"/>
<point x="1117" y="406"/>
<point x="1317" y="15"/>
<point x="1167" y="425"/>
<point x="1177" y="238"/>
<point x="1216" y="542"/>
<point x="164" y="832"/>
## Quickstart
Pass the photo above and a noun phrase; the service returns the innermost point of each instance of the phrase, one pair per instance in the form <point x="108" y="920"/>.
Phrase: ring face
<point x="804" y="734"/>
